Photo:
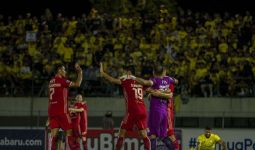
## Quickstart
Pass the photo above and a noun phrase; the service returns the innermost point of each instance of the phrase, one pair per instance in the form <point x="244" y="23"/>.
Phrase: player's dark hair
<point x="130" y="68"/>
<point x="158" y="69"/>
<point x="57" y="66"/>
<point x="208" y="128"/>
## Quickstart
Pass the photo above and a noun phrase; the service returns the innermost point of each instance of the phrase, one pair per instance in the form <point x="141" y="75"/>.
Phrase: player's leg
<point x="153" y="139"/>
<point x="146" y="140"/>
<point x="83" y="132"/>
<point x="84" y="140"/>
<point x="167" y="141"/>
<point x="141" y="124"/>
<point x="54" y="128"/>
<point x="66" y="125"/>
<point x="154" y="127"/>
<point x="126" y="124"/>
<point x="170" y="131"/>
<point x="174" y="141"/>
<point x="120" y="140"/>
<point x="54" y="137"/>
<point x="163" y="131"/>
<point x="76" y="134"/>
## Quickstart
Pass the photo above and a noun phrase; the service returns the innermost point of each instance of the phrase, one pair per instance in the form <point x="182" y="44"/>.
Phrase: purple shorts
<point x="158" y="123"/>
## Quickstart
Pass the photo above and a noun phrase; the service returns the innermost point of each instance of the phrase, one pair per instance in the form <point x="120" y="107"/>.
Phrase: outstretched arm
<point x="143" y="81"/>
<point x="76" y="110"/>
<point x="77" y="83"/>
<point x="161" y="94"/>
<point x="108" y="77"/>
<point x="176" y="81"/>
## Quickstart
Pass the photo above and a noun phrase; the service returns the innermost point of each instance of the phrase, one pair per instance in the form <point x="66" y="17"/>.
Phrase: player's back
<point x="58" y="94"/>
<point x="133" y="94"/>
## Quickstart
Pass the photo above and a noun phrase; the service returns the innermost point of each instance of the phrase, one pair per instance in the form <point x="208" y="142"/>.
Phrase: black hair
<point x="130" y="68"/>
<point x="208" y="128"/>
<point x="158" y="69"/>
<point x="57" y="66"/>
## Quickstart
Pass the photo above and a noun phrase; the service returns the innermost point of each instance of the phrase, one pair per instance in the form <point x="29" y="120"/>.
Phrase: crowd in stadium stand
<point x="211" y="54"/>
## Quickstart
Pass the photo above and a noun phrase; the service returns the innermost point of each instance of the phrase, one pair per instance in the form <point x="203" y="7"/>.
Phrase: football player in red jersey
<point x="79" y="112"/>
<point x="82" y="104"/>
<point x="170" y="115"/>
<point x="136" y="113"/>
<point x="58" y="112"/>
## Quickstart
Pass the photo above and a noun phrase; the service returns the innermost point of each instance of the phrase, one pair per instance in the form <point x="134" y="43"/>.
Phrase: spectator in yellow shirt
<point x="208" y="140"/>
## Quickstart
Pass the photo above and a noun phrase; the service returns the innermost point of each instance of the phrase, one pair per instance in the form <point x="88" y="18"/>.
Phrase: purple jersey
<point x="162" y="84"/>
<point x="158" y="107"/>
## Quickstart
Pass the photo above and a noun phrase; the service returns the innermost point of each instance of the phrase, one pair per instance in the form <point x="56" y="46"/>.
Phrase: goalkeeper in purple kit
<point x="158" y="106"/>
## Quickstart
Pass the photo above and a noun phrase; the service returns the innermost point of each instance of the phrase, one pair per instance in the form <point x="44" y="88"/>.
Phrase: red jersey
<point x="75" y="116"/>
<point x="83" y="115"/>
<point x="58" y="94"/>
<point x="133" y="93"/>
<point x="171" y="101"/>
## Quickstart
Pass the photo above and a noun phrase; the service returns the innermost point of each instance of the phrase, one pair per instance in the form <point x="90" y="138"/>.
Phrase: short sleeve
<point x="66" y="83"/>
<point x="217" y="138"/>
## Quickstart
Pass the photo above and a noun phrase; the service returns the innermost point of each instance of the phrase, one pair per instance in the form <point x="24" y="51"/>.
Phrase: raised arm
<point x="143" y="81"/>
<point x="108" y="77"/>
<point x="176" y="81"/>
<point x="77" y="83"/>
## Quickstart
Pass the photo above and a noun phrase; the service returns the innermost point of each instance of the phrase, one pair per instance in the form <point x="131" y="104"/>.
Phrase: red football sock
<point x="119" y="143"/>
<point x="71" y="143"/>
<point x="147" y="143"/>
<point x="176" y="145"/>
<point x="85" y="146"/>
<point x="53" y="143"/>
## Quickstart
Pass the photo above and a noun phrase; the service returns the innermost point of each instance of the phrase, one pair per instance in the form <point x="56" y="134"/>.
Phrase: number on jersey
<point x="138" y="93"/>
<point x="51" y="92"/>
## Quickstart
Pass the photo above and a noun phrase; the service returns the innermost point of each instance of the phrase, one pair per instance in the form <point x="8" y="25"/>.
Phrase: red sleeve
<point x="65" y="82"/>
<point x="171" y="87"/>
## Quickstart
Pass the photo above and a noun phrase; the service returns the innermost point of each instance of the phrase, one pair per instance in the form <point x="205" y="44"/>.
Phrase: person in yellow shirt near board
<point x="208" y="140"/>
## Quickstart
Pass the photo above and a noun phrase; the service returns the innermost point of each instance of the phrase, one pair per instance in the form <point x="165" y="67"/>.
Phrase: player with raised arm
<point x="136" y="114"/>
<point x="58" y="112"/>
<point x="158" y="119"/>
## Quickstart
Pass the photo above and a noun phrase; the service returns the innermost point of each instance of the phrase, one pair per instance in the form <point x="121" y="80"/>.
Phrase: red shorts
<point x="60" y="121"/>
<point x="76" y="129"/>
<point x="170" y="120"/>
<point x="134" y="120"/>
<point x="83" y="124"/>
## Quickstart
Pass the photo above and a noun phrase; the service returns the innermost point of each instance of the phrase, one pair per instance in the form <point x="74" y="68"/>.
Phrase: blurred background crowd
<point x="211" y="54"/>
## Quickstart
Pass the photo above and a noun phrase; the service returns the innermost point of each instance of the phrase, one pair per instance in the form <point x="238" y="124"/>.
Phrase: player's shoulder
<point x="214" y="135"/>
<point x="201" y="136"/>
<point x="126" y="79"/>
<point x="169" y="77"/>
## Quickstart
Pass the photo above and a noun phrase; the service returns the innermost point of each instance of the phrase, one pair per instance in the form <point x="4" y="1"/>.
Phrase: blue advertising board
<point x="22" y="139"/>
